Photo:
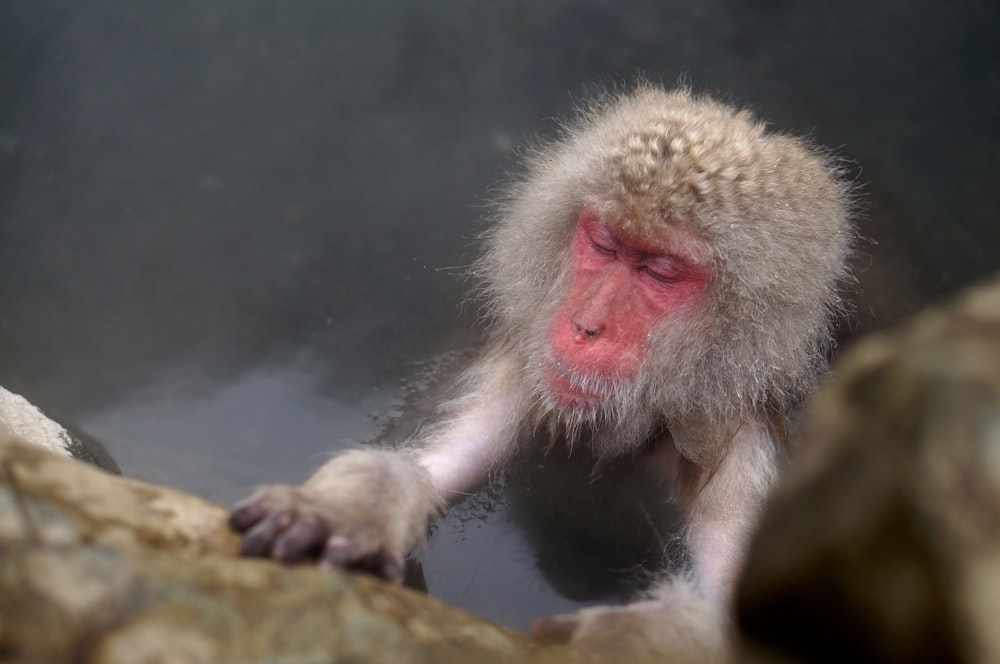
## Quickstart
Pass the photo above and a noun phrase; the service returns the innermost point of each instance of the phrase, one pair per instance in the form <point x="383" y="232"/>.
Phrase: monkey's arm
<point x="685" y="618"/>
<point x="724" y="512"/>
<point x="367" y="509"/>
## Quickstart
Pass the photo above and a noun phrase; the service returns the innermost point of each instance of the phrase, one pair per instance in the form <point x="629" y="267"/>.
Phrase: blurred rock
<point x="884" y="544"/>
<point x="101" y="569"/>
<point x="23" y="420"/>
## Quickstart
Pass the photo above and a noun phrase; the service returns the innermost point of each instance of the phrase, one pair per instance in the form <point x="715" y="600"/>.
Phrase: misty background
<point x="232" y="234"/>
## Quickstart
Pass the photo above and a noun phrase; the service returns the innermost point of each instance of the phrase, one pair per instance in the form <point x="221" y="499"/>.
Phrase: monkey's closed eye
<point x="659" y="276"/>
<point x="602" y="241"/>
<point x="603" y="248"/>
<point x="666" y="268"/>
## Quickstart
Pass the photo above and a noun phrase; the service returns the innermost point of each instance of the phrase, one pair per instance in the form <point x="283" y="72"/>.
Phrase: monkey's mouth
<point x="571" y="390"/>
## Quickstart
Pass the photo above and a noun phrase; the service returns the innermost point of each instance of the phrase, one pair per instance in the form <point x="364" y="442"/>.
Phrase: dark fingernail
<point x="392" y="570"/>
<point x="302" y="538"/>
<point x="260" y="539"/>
<point x="255" y="545"/>
<point x="244" y="517"/>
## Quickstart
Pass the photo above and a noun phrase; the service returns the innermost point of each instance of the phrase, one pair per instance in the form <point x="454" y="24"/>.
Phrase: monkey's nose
<point x="587" y="332"/>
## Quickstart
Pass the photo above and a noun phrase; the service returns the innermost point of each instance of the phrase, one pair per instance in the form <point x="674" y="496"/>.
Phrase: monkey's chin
<point x="570" y="393"/>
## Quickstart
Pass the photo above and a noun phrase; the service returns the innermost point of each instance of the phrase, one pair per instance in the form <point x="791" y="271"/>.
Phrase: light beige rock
<point x="22" y="419"/>
<point x="100" y="569"/>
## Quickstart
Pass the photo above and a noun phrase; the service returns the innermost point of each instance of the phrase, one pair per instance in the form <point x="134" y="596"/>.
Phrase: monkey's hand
<point x="363" y="510"/>
<point x="679" y="626"/>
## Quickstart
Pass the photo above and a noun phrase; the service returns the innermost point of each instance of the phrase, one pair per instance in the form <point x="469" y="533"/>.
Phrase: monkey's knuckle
<point x="274" y="497"/>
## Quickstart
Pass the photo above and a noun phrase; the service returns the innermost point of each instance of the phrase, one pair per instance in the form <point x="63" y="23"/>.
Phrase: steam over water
<point x="232" y="234"/>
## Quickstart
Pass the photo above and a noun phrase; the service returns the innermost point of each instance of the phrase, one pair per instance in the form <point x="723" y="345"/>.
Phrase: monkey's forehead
<point x="709" y="177"/>
<point x="671" y="156"/>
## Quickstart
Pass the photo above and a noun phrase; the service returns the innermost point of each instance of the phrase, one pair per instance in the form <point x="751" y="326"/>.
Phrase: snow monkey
<point x="660" y="287"/>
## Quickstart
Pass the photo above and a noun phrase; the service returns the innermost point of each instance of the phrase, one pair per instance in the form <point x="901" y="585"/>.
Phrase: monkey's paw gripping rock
<point x="364" y="510"/>
<point x="289" y="524"/>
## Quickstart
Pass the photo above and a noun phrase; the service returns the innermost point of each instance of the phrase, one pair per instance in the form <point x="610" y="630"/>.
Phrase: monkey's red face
<point x="622" y="288"/>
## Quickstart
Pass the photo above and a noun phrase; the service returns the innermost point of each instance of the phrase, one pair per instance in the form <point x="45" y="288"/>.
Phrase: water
<point x="232" y="236"/>
<point x="275" y="423"/>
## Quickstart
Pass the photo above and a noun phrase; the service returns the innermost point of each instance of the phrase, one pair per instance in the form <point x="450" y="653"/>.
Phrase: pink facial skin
<point x="622" y="289"/>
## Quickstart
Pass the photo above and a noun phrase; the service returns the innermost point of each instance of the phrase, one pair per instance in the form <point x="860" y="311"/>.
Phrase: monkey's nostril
<point x="587" y="331"/>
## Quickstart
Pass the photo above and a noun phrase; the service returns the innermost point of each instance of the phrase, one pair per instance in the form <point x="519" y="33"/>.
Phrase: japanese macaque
<point x="660" y="287"/>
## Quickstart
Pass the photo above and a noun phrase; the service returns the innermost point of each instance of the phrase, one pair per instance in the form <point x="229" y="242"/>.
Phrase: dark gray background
<point x="232" y="232"/>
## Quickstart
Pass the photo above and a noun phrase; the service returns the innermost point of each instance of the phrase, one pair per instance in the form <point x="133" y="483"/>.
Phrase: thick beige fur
<point x="769" y="213"/>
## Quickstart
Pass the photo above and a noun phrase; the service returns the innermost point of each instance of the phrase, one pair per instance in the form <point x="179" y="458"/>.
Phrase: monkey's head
<point x="669" y="262"/>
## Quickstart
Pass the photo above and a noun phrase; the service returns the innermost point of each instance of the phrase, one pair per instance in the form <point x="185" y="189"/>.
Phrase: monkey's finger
<point x="391" y="568"/>
<point x="260" y="538"/>
<point x="557" y="629"/>
<point x="338" y="552"/>
<point x="344" y="551"/>
<point x="383" y="564"/>
<point x="301" y="538"/>
<point x="246" y="514"/>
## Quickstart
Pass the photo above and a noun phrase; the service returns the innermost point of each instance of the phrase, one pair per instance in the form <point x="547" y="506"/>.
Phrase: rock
<point x="884" y="543"/>
<point x="101" y="569"/>
<point x="23" y="420"/>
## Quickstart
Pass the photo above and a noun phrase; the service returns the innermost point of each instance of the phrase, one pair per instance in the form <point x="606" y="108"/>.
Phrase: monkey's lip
<point x="566" y="388"/>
